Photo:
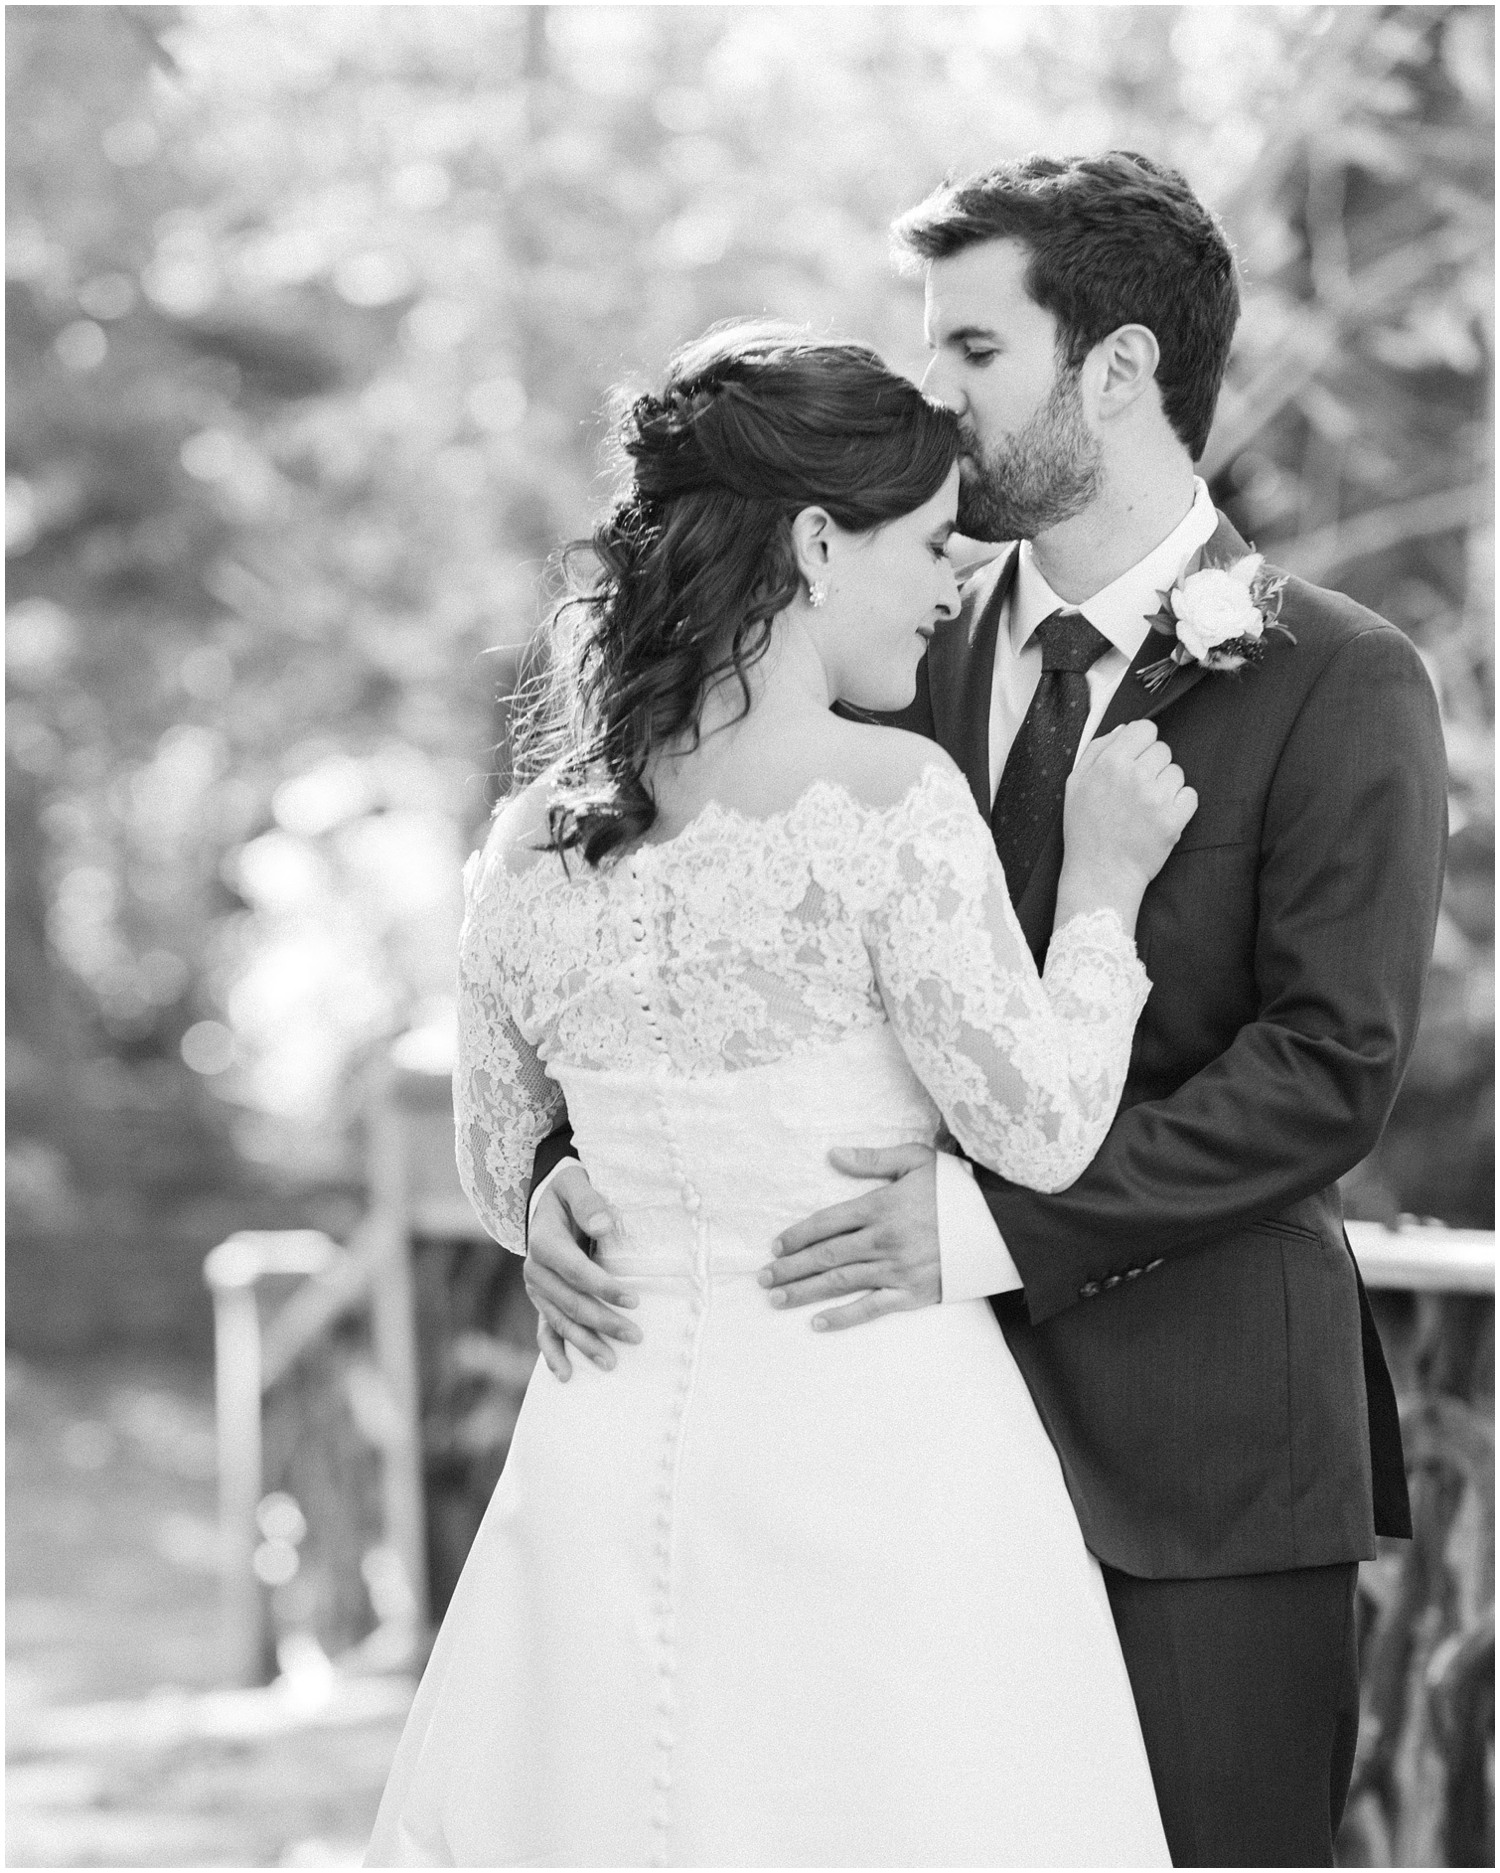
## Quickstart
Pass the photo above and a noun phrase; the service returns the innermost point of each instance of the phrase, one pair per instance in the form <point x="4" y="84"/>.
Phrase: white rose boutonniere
<point x="1219" y="616"/>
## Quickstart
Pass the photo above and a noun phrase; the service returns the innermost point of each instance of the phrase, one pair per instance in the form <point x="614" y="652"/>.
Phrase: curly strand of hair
<point x="652" y="634"/>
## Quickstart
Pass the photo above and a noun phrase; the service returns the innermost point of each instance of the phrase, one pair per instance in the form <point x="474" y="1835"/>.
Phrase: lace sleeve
<point x="1026" y="1070"/>
<point x="504" y="1103"/>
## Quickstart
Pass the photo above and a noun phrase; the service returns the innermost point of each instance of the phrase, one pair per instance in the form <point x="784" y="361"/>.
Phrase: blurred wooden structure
<point x="1423" y="1784"/>
<point x="259" y="1337"/>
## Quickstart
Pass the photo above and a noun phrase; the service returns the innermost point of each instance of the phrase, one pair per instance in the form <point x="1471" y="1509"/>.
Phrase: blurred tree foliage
<point x="312" y="315"/>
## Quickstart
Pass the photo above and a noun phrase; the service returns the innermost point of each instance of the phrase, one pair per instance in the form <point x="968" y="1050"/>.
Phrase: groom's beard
<point x="1044" y="473"/>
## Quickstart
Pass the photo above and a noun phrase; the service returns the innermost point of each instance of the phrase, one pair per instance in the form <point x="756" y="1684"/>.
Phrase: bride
<point x="760" y="1597"/>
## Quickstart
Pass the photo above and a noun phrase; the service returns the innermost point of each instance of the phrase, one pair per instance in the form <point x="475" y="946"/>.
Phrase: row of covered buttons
<point x="639" y="966"/>
<point x="1091" y="1288"/>
<point x="639" y="974"/>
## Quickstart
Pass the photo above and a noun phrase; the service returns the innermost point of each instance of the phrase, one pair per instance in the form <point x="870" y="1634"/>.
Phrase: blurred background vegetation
<point x="312" y="312"/>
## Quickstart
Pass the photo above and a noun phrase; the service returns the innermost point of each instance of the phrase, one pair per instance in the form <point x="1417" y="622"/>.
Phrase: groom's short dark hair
<point x="1114" y="240"/>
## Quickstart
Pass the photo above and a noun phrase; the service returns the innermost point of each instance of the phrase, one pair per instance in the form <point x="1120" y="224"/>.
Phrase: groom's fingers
<point x="563" y="1302"/>
<point x="566" y="1331"/>
<point x="841" y="1265"/>
<point x="879" y="1160"/>
<point x="553" y="1349"/>
<point x="822" y="1226"/>
<point x="867" y="1307"/>
<point x="840" y="1219"/>
<point x="832" y="1284"/>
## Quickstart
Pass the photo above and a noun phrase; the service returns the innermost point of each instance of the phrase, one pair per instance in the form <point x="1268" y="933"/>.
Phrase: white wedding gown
<point x="764" y="1596"/>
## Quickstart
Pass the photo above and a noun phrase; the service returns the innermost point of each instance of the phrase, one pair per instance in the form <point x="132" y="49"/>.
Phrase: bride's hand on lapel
<point x="885" y="1241"/>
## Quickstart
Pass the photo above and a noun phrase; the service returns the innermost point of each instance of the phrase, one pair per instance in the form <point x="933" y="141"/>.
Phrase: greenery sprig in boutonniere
<point x="1220" y="617"/>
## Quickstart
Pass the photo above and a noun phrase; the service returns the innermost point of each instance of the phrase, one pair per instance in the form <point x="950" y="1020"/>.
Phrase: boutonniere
<point x="1220" y="617"/>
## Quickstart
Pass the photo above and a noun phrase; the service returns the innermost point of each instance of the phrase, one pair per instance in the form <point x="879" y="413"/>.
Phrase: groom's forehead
<point x="981" y="288"/>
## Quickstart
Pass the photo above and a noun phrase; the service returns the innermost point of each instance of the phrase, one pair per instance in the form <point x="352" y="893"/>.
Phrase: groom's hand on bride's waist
<point x="885" y="1241"/>
<point x="575" y="1300"/>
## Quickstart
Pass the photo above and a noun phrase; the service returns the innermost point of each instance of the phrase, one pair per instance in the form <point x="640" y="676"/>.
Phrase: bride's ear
<point x="812" y="534"/>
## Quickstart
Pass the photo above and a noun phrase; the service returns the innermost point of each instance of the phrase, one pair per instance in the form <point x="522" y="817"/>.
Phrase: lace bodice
<point x="746" y="943"/>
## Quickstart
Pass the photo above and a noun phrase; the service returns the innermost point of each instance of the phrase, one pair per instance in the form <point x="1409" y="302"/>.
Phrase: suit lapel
<point x="1132" y="701"/>
<point x="961" y="674"/>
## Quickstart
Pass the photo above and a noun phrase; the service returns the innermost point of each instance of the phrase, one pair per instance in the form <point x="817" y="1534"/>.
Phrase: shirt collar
<point x="1120" y="610"/>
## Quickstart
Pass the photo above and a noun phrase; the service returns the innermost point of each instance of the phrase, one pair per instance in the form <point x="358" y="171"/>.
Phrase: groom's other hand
<point x="885" y="1241"/>
<point x="575" y="1300"/>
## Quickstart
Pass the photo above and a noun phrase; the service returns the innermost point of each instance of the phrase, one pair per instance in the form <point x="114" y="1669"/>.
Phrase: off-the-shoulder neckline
<point x="718" y="813"/>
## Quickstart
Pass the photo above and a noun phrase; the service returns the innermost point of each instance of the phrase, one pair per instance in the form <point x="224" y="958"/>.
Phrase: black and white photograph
<point x="750" y="936"/>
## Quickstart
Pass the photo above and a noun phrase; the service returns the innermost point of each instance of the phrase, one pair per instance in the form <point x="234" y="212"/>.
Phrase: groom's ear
<point x="812" y="532"/>
<point x="1124" y="369"/>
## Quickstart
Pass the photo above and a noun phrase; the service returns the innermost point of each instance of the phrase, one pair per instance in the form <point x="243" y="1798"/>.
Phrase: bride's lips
<point x="927" y="632"/>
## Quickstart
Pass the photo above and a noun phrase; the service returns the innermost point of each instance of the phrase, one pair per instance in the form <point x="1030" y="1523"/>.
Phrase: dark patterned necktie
<point x="1030" y="794"/>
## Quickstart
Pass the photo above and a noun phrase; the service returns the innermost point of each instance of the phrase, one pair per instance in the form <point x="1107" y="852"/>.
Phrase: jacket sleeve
<point x="1350" y="877"/>
<point x="554" y="1149"/>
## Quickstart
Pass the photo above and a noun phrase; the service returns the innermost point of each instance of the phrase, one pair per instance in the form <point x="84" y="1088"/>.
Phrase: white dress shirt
<point x="974" y="1257"/>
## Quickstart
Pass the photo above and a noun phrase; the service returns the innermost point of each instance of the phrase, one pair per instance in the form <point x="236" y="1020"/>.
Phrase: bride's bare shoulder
<point x="881" y="765"/>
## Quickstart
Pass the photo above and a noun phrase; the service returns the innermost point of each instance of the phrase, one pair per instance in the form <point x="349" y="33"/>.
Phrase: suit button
<point x="1156" y="1264"/>
<point x="1113" y="1281"/>
<point x="1088" y="1290"/>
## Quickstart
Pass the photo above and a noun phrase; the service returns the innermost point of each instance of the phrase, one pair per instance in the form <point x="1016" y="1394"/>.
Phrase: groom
<point x="1187" y="1315"/>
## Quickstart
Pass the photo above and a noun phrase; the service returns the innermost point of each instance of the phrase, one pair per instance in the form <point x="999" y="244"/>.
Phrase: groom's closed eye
<point x="974" y="344"/>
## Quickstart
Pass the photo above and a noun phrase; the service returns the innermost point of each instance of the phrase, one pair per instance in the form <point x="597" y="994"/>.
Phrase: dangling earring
<point x="817" y="591"/>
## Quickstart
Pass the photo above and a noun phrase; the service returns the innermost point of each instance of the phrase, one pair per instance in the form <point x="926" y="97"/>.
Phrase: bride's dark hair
<point x="754" y="423"/>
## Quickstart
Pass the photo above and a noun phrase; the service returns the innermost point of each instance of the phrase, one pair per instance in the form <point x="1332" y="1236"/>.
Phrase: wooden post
<point x="231" y="1271"/>
<point x="394" y="1334"/>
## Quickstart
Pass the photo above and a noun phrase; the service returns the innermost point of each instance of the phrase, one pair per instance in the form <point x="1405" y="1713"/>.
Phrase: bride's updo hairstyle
<point x="754" y="423"/>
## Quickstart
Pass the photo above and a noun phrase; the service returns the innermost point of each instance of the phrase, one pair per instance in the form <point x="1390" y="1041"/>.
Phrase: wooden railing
<point x="1424" y="1258"/>
<point x="257" y="1341"/>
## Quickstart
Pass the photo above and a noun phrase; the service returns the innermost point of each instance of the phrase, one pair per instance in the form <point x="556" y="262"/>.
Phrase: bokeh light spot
<point x="208" y="1048"/>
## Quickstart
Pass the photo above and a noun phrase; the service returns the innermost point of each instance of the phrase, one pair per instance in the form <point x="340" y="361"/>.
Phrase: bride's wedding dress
<point x="764" y="1596"/>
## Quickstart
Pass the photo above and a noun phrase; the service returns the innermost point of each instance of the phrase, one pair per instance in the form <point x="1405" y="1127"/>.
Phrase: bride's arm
<point x="1026" y="1069"/>
<point x="504" y="1102"/>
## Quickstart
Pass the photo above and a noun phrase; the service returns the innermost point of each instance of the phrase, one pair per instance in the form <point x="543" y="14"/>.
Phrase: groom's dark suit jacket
<point x="1193" y="1327"/>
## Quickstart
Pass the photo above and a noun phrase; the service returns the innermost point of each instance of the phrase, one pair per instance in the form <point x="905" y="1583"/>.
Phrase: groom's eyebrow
<point x="962" y="334"/>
